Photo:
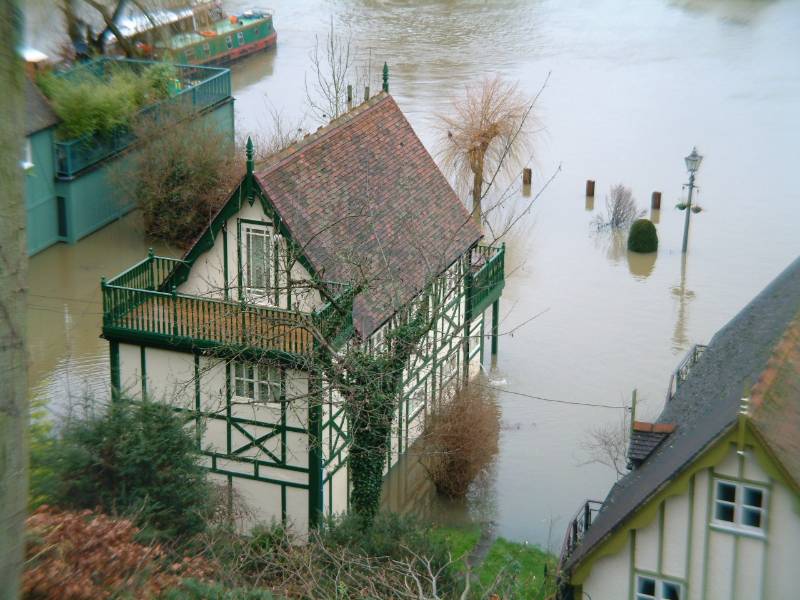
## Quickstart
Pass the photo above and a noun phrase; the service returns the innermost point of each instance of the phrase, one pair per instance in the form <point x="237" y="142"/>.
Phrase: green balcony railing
<point x="195" y="88"/>
<point x="488" y="277"/>
<point x="141" y="302"/>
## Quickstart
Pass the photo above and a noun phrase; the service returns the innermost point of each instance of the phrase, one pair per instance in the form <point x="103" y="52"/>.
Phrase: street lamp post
<point x="692" y="164"/>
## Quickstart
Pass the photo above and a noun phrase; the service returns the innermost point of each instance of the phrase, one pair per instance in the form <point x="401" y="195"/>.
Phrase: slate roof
<point x="645" y="438"/>
<point x="38" y="112"/>
<point x="706" y="405"/>
<point x="363" y="197"/>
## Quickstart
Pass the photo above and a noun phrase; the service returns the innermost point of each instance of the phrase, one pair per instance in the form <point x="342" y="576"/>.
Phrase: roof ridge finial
<point x="249" y="153"/>
<point x="385" y="77"/>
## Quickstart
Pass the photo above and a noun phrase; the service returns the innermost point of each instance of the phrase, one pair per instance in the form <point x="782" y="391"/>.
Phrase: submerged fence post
<point x="174" y="311"/>
<point x="349" y="94"/>
<point x="526" y="176"/>
<point x="366" y="93"/>
<point x="655" y="201"/>
<point x="495" y="325"/>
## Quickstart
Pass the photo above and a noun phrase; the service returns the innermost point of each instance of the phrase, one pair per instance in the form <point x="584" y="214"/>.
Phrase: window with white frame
<point x="207" y="49"/>
<point x="240" y="37"/>
<point x="258" y="258"/>
<point x="655" y="588"/>
<point x="27" y="155"/>
<point x="739" y="505"/>
<point x="229" y="42"/>
<point x="257" y="382"/>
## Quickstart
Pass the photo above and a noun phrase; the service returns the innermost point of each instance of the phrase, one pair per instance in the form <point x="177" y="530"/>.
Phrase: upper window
<point x="739" y="505"/>
<point x="654" y="588"/>
<point x="257" y="382"/>
<point x="258" y="258"/>
<point x="240" y="37"/>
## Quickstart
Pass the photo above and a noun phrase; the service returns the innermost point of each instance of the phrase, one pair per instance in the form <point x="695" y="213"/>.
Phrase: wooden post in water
<point x="655" y="201"/>
<point x="366" y="93"/>
<point x="349" y="94"/>
<point x="590" y="188"/>
<point x="526" y="176"/>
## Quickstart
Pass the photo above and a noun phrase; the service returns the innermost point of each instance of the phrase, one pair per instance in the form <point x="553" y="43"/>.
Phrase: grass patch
<point x="459" y="541"/>
<point x="518" y="570"/>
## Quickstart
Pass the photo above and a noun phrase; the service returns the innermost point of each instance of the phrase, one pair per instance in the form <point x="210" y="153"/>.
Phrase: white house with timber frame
<point x="711" y="507"/>
<point x="228" y="333"/>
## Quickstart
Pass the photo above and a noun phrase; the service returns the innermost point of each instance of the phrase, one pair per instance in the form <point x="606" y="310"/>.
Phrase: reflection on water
<point x="634" y="85"/>
<point x="641" y="265"/>
<point x="684" y="296"/>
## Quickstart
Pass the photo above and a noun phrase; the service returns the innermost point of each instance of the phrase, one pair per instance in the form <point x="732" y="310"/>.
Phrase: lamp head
<point x="693" y="161"/>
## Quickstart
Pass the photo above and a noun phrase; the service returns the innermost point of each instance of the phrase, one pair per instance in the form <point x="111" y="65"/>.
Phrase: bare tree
<point x="608" y="445"/>
<point x="621" y="209"/>
<point x="332" y="69"/>
<point x="13" y="283"/>
<point x="487" y="132"/>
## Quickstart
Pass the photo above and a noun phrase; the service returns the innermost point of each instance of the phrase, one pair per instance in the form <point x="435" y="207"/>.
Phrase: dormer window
<point x="258" y="259"/>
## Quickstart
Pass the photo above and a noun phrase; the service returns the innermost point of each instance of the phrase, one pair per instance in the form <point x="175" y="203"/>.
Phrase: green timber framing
<point x="740" y="436"/>
<point x="158" y="277"/>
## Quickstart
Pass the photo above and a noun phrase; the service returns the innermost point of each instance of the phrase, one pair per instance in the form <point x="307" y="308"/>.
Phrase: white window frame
<point x="27" y="155"/>
<point x="739" y="506"/>
<point x="264" y="381"/>
<point x="249" y="231"/>
<point x="240" y="38"/>
<point x="229" y="42"/>
<point x="659" y="583"/>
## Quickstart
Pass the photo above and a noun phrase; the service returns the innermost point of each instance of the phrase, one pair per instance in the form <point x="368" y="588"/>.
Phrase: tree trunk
<point x="477" y="192"/>
<point x="13" y="269"/>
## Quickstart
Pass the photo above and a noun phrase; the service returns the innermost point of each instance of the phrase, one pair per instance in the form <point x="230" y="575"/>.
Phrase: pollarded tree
<point x="487" y="132"/>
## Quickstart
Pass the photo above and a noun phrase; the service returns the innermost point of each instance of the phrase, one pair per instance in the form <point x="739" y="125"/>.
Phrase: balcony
<point x="194" y="88"/>
<point x="681" y="373"/>
<point x="142" y="305"/>
<point x="578" y="526"/>
<point x="488" y="276"/>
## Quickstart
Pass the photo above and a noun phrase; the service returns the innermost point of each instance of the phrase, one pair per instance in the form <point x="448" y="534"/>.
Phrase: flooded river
<point x="633" y="87"/>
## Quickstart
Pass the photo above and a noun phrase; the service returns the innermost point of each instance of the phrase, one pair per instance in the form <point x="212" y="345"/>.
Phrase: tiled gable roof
<point x="706" y="405"/>
<point x="363" y="198"/>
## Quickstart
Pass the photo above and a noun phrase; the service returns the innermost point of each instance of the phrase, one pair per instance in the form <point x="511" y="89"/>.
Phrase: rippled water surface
<point x="633" y="86"/>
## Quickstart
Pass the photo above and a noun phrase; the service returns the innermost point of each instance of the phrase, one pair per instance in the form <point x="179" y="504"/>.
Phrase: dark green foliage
<point x="373" y="381"/>
<point x="388" y="535"/>
<point x="191" y="589"/>
<point x="138" y="460"/>
<point x="643" y="236"/>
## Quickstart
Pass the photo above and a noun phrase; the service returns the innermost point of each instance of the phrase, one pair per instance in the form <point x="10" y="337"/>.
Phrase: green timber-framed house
<point x="230" y="332"/>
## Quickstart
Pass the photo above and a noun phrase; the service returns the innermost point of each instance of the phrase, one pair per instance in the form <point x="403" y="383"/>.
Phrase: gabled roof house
<point x="710" y="509"/>
<point x="357" y="205"/>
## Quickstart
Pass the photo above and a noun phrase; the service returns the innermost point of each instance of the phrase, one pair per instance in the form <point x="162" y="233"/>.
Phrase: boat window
<point x="229" y="42"/>
<point x="207" y="49"/>
<point x="240" y="37"/>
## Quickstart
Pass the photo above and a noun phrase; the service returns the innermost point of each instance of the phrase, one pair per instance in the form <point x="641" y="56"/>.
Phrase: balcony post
<point x="495" y="325"/>
<point x="174" y="311"/>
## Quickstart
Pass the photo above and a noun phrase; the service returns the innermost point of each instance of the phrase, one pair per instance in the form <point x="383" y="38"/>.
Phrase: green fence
<point x="141" y="301"/>
<point x="196" y="87"/>
<point x="488" y="276"/>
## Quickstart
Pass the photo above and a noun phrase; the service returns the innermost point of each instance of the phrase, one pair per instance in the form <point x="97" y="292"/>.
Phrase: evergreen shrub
<point x="135" y="459"/>
<point x="643" y="236"/>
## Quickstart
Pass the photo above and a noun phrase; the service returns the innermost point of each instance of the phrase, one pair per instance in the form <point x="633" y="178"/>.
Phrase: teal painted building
<point x="68" y="188"/>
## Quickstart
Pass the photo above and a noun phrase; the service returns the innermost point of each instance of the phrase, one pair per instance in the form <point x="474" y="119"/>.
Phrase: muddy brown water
<point x="633" y="86"/>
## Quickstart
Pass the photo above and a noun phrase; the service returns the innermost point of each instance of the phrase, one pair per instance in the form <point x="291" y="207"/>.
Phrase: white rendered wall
<point x="710" y="562"/>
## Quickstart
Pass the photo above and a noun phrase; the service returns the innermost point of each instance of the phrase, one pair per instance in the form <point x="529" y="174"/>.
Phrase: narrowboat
<point x="201" y="35"/>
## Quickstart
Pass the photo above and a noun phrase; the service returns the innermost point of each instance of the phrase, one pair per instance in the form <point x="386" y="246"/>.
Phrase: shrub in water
<point x="643" y="236"/>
